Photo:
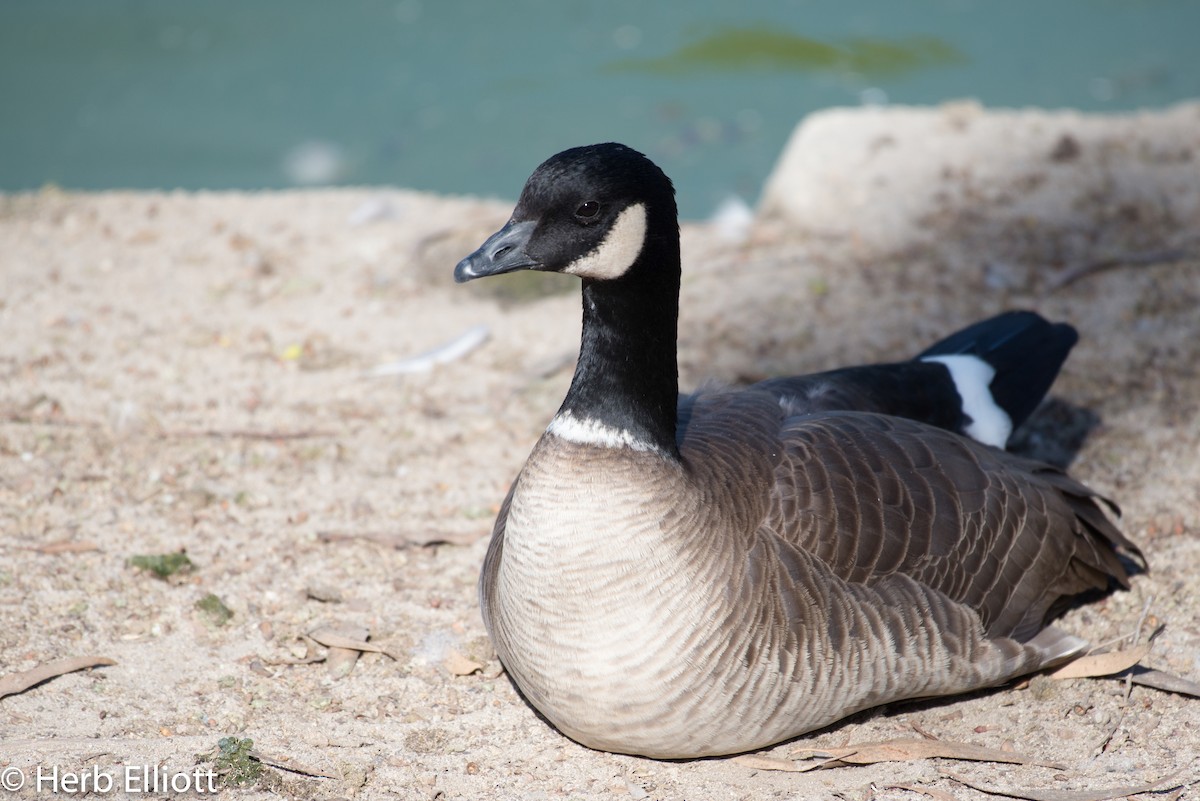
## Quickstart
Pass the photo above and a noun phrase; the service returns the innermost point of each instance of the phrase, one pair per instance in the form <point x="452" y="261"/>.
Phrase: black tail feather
<point x="1026" y="351"/>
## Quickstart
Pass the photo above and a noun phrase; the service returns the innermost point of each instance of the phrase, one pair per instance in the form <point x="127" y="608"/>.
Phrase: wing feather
<point x="873" y="496"/>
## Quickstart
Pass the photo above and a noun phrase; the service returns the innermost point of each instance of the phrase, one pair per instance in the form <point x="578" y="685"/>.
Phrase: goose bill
<point x="503" y="252"/>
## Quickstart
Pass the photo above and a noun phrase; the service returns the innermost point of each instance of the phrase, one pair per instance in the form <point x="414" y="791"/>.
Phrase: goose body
<point x="714" y="573"/>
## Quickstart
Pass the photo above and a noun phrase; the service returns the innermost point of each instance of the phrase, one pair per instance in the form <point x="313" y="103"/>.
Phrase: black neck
<point x="627" y="376"/>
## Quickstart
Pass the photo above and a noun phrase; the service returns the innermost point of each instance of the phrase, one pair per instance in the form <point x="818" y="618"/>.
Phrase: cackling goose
<point x="714" y="573"/>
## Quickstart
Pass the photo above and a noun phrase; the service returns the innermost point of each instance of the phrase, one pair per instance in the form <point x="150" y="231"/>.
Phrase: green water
<point x="467" y="97"/>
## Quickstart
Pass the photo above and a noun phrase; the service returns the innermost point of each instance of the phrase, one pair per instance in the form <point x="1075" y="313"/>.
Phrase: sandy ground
<point x="190" y="372"/>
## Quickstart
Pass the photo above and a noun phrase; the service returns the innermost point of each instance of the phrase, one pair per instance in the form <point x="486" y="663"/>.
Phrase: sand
<point x="193" y="372"/>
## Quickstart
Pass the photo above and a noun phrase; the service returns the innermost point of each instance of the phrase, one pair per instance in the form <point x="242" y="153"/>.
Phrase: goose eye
<point x="588" y="210"/>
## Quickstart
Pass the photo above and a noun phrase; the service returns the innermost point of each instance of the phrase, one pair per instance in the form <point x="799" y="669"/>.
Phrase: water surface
<point x="468" y="96"/>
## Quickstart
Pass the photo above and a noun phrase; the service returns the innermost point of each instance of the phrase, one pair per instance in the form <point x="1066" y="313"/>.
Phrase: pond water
<point x="469" y="96"/>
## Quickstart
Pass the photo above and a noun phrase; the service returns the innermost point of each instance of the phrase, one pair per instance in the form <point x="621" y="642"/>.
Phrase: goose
<point x="701" y="575"/>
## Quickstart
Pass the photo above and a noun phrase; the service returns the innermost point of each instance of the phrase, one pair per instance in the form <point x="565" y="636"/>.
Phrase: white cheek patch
<point x="972" y="375"/>
<point x="593" y="432"/>
<point x="619" y="250"/>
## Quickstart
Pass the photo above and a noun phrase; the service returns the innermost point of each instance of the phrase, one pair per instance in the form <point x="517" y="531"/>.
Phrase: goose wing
<point x="871" y="496"/>
<point x="874" y="496"/>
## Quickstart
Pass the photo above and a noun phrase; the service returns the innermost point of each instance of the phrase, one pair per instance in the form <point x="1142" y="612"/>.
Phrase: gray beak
<point x="503" y="252"/>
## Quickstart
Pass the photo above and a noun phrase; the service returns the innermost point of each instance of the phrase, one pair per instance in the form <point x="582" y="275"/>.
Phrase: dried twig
<point x="1137" y="632"/>
<point x="236" y="433"/>
<point x="15" y="683"/>
<point x="1088" y="269"/>
<point x="290" y="765"/>
<point x="934" y="793"/>
<point x="62" y="546"/>
<point x="1137" y="637"/>
<point x="401" y="541"/>
<point x="921" y="731"/>
<point x="1167" y="682"/>
<point x="1102" y="794"/>
<point x="903" y="750"/>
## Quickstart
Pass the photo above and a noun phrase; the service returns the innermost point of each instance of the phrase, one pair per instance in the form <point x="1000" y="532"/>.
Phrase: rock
<point x="893" y="177"/>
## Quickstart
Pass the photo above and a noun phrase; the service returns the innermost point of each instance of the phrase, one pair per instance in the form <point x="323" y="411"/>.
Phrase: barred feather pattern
<point x="785" y="572"/>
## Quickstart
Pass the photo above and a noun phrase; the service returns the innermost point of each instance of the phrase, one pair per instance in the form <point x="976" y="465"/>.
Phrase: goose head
<point x="592" y="211"/>
<point x="607" y="214"/>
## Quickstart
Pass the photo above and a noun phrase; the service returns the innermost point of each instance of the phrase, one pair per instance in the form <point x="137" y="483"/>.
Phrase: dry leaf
<point x="256" y="666"/>
<point x="345" y="643"/>
<point x="334" y="638"/>
<point x="15" y="683"/>
<point x="1100" y="794"/>
<point x="757" y="762"/>
<point x="309" y="656"/>
<point x="460" y="665"/>
<point x="1101" y="664"/>
<point x="324" y="594"/>
<point x="340" y="661"/>
<point x="904" y="750"/>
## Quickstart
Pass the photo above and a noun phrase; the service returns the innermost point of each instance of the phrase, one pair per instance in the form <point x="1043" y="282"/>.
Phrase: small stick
<point x="1137" y="635"/>
<point x="1129" y="260"/>
<point x="247" y="434"/>
<point x="1137" y="632"/>
<point x="15" y="683"/>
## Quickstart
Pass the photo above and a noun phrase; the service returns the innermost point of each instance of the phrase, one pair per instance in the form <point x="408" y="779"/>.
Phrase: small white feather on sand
<point x="455" y="349"/>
